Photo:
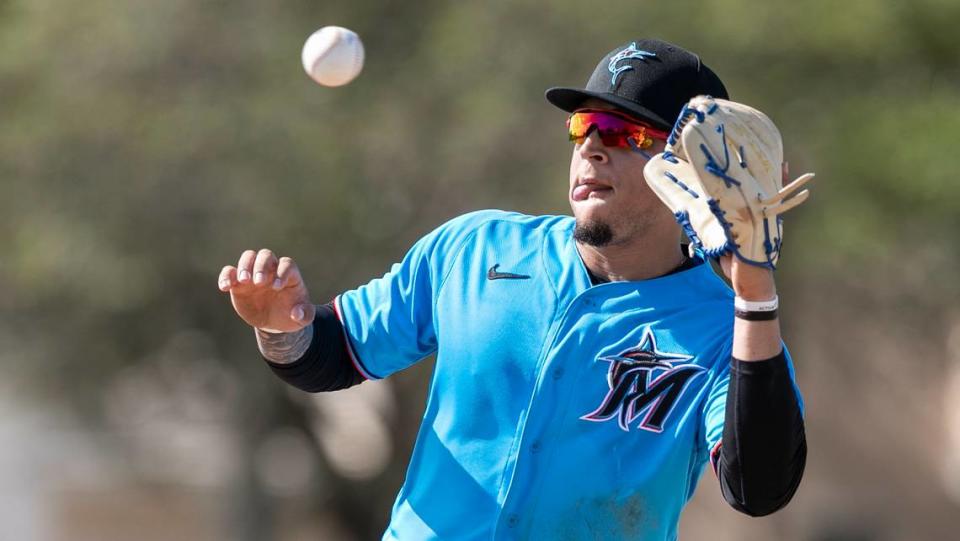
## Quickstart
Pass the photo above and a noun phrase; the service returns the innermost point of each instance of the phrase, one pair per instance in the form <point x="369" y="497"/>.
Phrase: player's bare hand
<point x="267" y="292"/>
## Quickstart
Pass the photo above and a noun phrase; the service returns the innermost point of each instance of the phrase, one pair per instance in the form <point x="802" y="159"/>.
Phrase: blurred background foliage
<point x="145" y="144"/>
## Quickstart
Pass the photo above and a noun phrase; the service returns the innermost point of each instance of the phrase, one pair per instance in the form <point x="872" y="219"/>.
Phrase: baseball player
<point x="589" y="367"/>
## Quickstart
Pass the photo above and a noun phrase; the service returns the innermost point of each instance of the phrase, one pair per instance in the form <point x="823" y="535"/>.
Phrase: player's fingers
<point x="303" y="313"/>
<point x="264" y="267"/>
<point x="227" y="278"/>
<point x="245" y="266"/>
<point x="288" y="274"/>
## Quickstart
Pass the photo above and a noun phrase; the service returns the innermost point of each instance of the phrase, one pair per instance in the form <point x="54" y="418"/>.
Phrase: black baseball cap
<point x="648" y="79"/>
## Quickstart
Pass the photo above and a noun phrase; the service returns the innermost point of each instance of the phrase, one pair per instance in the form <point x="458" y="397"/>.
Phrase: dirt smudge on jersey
<point x="623" y="517"/>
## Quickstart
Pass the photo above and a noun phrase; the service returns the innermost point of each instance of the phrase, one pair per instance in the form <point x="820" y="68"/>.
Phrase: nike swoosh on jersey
<point x="492" y="274"/>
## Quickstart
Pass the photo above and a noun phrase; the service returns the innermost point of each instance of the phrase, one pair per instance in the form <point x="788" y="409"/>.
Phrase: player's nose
<point x="592" y="149"/>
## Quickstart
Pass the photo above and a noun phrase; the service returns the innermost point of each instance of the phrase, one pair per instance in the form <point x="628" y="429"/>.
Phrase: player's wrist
<point x="757" y="294"/>
<point x="753" y="283"/>
<point x="284" y="347"/>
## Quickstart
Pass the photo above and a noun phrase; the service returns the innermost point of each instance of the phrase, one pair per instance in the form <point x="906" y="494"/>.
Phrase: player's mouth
<point x="590" y="188"/>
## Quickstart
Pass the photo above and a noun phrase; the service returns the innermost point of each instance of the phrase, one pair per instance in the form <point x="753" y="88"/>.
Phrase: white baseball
<point x="333" y="56"/>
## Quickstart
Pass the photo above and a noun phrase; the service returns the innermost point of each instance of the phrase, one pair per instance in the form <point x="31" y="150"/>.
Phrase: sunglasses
<point x="614" y="129"/>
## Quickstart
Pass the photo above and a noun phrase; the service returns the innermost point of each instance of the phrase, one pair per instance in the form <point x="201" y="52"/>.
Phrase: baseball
<point x="333" y="56"/>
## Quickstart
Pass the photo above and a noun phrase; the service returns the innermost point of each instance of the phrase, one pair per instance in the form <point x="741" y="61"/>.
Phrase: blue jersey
<point x="558" y="409"/>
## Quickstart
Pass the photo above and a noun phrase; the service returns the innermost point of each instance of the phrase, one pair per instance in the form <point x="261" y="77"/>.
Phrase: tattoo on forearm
<point x="284" y="348"/>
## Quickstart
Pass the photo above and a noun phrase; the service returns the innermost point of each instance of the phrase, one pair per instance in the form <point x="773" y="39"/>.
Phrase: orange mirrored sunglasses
<point x="614" y="129"/>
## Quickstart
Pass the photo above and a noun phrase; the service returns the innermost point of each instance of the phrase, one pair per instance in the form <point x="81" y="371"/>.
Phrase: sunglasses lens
<point x="613" y="139"/>
<point x="614" y="130"/>
<point x="578" y="125"/>
<point x="640" y="140"/>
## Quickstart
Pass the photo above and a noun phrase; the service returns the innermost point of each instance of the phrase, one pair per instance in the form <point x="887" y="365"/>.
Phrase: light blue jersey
<point x="558" y="410"/>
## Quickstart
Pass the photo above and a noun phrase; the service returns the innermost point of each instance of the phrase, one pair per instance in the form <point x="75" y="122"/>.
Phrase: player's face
<point x="607" y="187"/>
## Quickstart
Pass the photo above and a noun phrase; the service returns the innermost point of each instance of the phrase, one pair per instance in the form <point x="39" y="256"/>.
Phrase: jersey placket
<point x="555" y="382"/>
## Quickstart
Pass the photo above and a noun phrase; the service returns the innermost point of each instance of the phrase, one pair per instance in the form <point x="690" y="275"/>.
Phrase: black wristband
<point x="755" y="315"/>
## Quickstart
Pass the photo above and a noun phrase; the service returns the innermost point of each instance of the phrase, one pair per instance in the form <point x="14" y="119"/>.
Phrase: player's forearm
<point x="756" y="340"/>
<point x="314" y="359"/>
<point x="284" y="348"/>
<point x="763" y="452"/>
<point x="756" y="327"/>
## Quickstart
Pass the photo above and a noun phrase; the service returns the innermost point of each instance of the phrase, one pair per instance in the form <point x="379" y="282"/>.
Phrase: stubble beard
<point x="618" y="232"/>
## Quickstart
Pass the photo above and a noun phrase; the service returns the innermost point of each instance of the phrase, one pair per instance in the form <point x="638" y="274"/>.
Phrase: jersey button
<point x="513" y="520"/>
<point x="558" y="373"/>
<point x="536" y="447"/>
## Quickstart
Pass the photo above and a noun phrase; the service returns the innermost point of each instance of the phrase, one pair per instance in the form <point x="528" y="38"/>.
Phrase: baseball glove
<point x="721" y="176"/>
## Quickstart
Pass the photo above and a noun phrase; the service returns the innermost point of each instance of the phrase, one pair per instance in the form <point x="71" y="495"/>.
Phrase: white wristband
<point x="756" y="306"/>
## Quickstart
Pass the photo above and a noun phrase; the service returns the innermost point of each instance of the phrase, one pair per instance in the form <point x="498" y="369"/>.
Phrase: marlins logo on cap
<point x="629" y="52"/>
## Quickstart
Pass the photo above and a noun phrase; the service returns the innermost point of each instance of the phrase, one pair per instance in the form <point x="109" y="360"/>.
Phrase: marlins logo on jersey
<point x="633" y="393"/>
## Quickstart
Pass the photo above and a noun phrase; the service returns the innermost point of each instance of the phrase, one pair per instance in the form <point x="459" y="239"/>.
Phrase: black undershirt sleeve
<point x="326" y="365"/>
<point x="764" y="449"/>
